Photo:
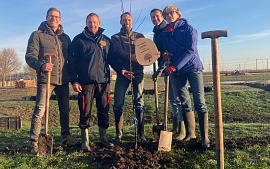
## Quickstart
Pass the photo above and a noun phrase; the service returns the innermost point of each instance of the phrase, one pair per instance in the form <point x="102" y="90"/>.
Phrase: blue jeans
<point x="120" y="89"/>
<point x="195" y="80"/>
<point x="62" y="93"/>
<point x="175" y="102"/>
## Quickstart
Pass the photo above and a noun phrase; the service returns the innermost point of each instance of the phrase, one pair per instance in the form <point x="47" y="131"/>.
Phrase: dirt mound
<point x="125" y="156"/>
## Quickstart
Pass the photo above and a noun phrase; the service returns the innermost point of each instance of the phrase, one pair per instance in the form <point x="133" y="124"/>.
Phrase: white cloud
<point x="250" y="37"/>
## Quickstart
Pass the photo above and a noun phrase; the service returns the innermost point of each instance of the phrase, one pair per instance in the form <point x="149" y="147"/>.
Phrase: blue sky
<point x="247" y="23"/>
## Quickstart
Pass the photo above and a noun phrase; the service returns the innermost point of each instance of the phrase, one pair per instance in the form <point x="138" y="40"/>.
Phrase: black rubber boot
<point x="103" y="138"/>
<point x="119" y="123"/>
<point x="140" y="127"/>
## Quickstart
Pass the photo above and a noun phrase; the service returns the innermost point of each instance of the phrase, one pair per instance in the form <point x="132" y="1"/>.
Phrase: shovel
<point x="45" y="141"/>
<point x="157" y="127"/>
<point x="165" y="139"/>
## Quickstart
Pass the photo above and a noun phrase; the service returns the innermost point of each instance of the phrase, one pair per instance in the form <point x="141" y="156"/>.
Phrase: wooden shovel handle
<point x="47" y="108"/>
<point x="166" y="101"/>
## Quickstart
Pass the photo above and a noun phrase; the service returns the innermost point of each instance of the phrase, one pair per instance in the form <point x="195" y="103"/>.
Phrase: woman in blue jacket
<point x="180" y="40"/>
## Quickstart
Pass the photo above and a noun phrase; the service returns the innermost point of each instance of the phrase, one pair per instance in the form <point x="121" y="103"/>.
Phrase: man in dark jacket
<point x="90" y="76"/>
<point x="128" y="70"/>
<point x="50" y="39"/>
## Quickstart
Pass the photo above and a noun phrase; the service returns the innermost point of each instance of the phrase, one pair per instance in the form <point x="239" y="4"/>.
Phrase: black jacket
<point x="159" y="32"/>
<point x="45" y="41"/>
<point x="88" y="61"/>
<point x="120" y="56"/>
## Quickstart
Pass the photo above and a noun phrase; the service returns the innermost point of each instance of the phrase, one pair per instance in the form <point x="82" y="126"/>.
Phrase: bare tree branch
<point x="9" y="63"/>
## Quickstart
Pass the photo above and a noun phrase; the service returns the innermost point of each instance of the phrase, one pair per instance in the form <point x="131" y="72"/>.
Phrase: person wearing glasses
<point x="186" y="68"/>
<point x="50" y="39"/>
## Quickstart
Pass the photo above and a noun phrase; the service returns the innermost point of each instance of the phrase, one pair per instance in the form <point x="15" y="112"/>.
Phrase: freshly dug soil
<point x="124" y="156"/>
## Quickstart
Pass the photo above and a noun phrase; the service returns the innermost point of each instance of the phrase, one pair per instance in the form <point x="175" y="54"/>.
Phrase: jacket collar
<point x="160" y="27"/>
<point x="44" y="27"/>
<point x="124" y="31"/>
<point x="90" y="35"/>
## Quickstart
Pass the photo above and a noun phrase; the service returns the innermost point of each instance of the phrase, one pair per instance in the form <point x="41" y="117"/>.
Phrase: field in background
<point x="246" y="115"/>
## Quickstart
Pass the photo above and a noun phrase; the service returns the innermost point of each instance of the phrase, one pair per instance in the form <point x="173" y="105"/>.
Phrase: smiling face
<point x="156" y="17"/>
<point x="53" y="19"/>
<point x="171" y="16"/>
<point x="93" y="23"/>
<point x="126" y="21"/>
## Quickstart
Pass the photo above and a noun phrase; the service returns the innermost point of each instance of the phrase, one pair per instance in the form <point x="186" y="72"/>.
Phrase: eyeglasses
<point x="170" y="13"/>
<point x="52" y="16"/>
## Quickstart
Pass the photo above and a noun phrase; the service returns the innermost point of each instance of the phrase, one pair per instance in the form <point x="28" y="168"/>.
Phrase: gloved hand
<point x="156" y="73"/>
<point x="168" y="70"/>
<point x="128" y="74"/>
<point x="166" y="56"/>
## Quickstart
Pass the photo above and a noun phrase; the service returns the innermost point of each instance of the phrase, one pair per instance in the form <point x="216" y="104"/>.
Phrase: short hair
<point x="53" y="9"/>
<point x="92" y="14"/>
<point x="155" y="9"/>
<point x="125" y="13"/>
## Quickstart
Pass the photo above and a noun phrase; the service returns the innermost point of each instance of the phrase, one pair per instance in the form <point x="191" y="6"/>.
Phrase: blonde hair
<point x="169" y="8"/>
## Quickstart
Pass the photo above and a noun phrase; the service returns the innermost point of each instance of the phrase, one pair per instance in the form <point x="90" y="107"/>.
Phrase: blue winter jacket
<point x="88" y="62"/>
<point x="182" y="44"/>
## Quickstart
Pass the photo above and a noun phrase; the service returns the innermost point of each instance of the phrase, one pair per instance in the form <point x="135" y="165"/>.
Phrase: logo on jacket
<point x="102" y="43"/>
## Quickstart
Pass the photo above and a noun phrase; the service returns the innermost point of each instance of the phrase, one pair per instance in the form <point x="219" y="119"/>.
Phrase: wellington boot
<point x="181" y="131"/>
<point x="85" y="140"/>
<point x="119" y="123"/>
<point x="34" y="148"/>
<point x="68" y="141"/>
<point x="203" y="123"/>
<point x="140" y="127"/>
<point x="103" y="138"/>
<point x="174" y="125"/>
<point x="189" y="120"/>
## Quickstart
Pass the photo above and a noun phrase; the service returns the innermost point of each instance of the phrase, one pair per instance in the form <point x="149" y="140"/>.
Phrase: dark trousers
<point x="85" y="99"/>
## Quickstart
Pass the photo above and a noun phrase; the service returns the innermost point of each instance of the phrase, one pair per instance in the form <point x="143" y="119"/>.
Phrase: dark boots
<point x="190" y="125"/>
<point x="119" y="123"/>
<point x="203" y="124"/>
<point x="34" y="147"/>
<point x="103" y="138"/>
<point x="85" y="140"/>
<point x="174" y="124"/>
<point x="181" y="134"/>
<point x="140" y="127"/>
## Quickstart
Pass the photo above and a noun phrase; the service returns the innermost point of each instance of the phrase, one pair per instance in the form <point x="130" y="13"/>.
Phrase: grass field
<point x="246" y="115"/>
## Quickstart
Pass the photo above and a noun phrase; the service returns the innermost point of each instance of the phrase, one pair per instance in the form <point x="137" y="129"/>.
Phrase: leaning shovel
<point x="165" y="139"/>
<point x="45" y="141"/>
<point x="157" y="127"/>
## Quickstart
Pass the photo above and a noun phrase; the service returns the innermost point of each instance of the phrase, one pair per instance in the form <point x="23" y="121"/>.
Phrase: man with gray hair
<point x="50" y="39"/>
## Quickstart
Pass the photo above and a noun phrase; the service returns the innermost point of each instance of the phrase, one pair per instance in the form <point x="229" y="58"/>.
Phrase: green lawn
<point x="246" y="115"/>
